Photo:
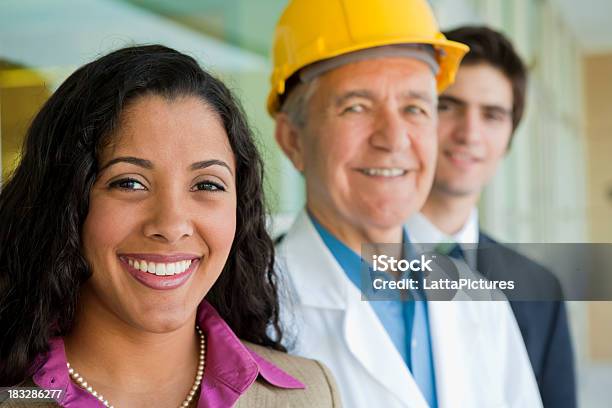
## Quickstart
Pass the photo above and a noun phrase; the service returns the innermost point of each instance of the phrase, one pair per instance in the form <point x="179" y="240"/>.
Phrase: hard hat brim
<point x="450" y="54"/>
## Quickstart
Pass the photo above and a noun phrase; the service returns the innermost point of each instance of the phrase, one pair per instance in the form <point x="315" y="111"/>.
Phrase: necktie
<point x="451" y="249"/>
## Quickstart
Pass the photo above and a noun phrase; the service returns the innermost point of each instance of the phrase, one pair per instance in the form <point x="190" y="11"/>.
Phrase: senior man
<point x="354" y="99"/>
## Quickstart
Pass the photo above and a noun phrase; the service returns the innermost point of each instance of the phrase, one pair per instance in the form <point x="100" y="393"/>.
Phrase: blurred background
<point x="555" y="185"/>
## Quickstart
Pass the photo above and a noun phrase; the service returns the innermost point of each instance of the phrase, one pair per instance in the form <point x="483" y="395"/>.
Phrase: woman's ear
<point x="288" y="137"/>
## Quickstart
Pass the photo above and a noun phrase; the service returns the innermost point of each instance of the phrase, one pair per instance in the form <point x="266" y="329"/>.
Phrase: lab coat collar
<point x="303" y="249"/>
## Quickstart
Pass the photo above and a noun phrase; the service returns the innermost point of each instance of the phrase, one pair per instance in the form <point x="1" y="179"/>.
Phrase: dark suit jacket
<point x="543" y="324"/>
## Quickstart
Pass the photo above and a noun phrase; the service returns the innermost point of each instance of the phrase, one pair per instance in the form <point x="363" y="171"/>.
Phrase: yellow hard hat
<point x="313" y="30"/>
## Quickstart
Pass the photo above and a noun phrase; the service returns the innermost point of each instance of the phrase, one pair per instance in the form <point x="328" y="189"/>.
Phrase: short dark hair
<point x="44" y="204"/>
<point x="492" y="47"/>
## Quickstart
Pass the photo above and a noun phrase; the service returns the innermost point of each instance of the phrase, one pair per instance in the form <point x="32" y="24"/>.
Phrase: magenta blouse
<point x="231" y="368"/>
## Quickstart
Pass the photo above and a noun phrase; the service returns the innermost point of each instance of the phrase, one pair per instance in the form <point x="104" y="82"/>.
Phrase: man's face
<point x="475" y="125"/>
<point x="369" y="144"/>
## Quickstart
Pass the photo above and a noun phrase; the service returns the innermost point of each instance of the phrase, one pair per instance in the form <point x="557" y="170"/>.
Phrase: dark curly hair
<point x="45" y="202"/>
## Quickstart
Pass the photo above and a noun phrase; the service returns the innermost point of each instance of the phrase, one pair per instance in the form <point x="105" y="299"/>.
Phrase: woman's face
<point x="162" y="214"/>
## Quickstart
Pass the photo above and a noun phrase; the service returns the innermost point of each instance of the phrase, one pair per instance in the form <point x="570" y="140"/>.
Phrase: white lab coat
<point x="479" y="356"/>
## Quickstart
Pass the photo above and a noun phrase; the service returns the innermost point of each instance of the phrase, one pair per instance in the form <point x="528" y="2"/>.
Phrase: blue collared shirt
<point x="406" y="323"/>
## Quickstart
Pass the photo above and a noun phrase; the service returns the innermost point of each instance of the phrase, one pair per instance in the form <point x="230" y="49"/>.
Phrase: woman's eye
<point x="208" y="186"/>
<point x="127" y="184"/>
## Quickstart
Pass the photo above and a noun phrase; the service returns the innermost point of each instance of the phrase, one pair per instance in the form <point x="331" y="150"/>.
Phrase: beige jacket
<point x="320" y="392"/>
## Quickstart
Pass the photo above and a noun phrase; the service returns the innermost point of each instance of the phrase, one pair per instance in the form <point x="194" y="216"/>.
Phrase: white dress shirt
<point x="422" y="230"/>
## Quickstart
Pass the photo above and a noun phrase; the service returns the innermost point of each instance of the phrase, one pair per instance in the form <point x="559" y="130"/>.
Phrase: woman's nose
<point x="170" y="219"/>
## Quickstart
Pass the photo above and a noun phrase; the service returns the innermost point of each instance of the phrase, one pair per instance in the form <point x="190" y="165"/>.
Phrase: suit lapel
<point x="487" y="256"/>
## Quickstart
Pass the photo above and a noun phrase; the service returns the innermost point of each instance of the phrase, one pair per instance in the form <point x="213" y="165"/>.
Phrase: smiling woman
<point x="133" y="249"/>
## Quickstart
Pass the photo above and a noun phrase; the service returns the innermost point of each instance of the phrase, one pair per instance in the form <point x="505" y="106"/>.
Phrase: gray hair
<point x="296" y="104"/>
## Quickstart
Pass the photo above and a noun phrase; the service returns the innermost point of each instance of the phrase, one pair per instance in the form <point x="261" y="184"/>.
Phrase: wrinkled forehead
<point x="376" y="79"/>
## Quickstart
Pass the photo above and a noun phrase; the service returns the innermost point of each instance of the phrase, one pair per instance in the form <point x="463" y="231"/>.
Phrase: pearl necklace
<point x="198" y="379"/>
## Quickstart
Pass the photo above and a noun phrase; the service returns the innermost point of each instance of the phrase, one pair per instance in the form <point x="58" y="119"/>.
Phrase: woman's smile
<point x="157" y="271"/>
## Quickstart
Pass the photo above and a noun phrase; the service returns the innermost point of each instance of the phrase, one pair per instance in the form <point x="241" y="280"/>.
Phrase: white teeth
<point x="384" y="172"/>
<point x="160" y="269"/>
<point x="170" y="269"/>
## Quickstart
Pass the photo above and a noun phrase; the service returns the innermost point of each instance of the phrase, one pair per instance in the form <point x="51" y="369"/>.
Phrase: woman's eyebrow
<point x="129" y="159"/>
<point x="207" y="163"/>
<point x="149" y="165"/>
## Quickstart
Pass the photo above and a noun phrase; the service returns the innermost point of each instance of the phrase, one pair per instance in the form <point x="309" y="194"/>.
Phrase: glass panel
<point x="231" y="38"/>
